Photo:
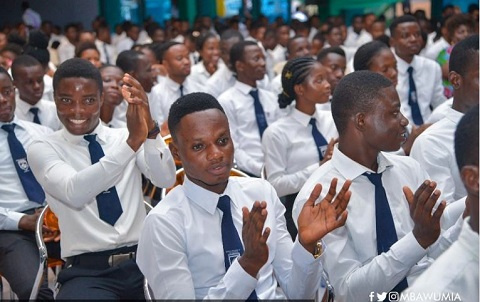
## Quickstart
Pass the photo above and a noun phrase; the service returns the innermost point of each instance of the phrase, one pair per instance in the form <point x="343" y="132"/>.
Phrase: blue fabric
<point x="259" y="113"/>
<point x="181" y="90"/>
<point x="31" y="186"/>
<point x="108" y="203"/>
<point x="232" y="245"/>
<point x="412" y="98"/>
<point x="385" y="227"/>
<point x="320" y="141"/>
<point x="36" y="119"/>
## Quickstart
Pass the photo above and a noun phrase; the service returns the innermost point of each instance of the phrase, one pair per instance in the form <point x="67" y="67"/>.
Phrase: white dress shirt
<point x="119" y="118"/>
<point x="125" y="44"/>
<point x="65" y="50"/>
<point x="165" y="93"/>
<point x="428" y="82"/>
<point x="199" y="74"/>
<point x="356" y="40"/>
<point x="62" y="165"/>
<point x="47" y="113"/>
<point x="239" y="107"/>
<point x="440" y="112"/>
<point x="435" y="48"/>
<point x="434" y="150"/>
<point x="110" y="51"/>
<point x="13" y="199"/>
<point x="351" y="260"/>
<point x="48" y="90"/>
<point x="279" y="54"/>
<point x="224" y="79"/>
<point x="180" y="251"/>
<point x="290" y="151"/>
<point x="454" y="273"/>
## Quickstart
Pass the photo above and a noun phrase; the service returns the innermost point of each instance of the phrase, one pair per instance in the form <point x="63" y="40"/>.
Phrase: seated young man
<point x="190" y="249"/>
<point x="92" y="176"/>
<point x="389" y="235"/>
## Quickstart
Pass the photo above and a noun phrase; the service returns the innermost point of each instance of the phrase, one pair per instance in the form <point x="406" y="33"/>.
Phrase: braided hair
<point x="295" y="72"/>
<point x="364" y="55"/>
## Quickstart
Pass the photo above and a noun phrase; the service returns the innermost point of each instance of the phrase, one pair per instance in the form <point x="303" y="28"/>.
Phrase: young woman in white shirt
<point x="208" y="46"/>
<point x="291" y="152"/>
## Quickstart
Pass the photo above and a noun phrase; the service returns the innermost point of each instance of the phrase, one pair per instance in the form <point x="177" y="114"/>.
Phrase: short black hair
<point x="231" y="33"/>
<point x="12" y="47"/>
<point x="190" y="103"/>
<point x="237" y="52"/>
<point x="294" y="72"/>
<point x="85" y="46"/>
<point x="162" y="49"/>
<point x="37" y="47"/>
<point x="325" y="51"/>
<point x="462" y="55"/>
<point x="364" y="55"/>
<point x="466" y="139"/>
<point x="400" y="20"/>
<point x="127" y="60"/>
<point x="356" y="92"/>
<point x="23" y="61"/>
<point x="77" y="68"/>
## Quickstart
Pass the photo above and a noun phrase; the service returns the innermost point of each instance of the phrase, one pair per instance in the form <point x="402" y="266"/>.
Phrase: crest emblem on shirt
<point x="23" y="164"/>
<point x="323" y="150"/>
<point x="232" y="255"/>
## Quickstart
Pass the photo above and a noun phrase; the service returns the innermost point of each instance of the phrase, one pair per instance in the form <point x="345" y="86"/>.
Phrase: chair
<point x="50" y="219"/>
<point x="181" y="175"/>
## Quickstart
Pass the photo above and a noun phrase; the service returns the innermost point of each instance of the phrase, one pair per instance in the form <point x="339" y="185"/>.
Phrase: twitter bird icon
<point x="382" y="296"/>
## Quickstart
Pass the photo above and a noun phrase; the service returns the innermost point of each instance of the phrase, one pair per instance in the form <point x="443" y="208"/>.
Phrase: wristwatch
<point x="318" y="250"/>
<point x="154" y="132"/>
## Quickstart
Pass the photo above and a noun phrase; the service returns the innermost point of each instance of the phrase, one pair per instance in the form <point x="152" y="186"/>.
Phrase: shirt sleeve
<point x="156" y="162"/>
<point x="9" y="219"/>
<point x="72" y="187"/>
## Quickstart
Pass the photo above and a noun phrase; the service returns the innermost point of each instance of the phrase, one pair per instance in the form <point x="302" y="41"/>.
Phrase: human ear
<point x="469" y="174"/>
<point x="298" y="89"/>
<point x="360" y="121"/>
<point x="455" y="79"/>
<point x="174" y="150"/>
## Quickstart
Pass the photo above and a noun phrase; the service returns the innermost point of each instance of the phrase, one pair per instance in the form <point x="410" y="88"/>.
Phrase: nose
<point x="214" y="153"/>
<point x="403" y="120"/>
<point x="77" y="107"/>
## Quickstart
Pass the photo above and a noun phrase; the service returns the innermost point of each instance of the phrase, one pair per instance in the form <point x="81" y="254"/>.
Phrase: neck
<point x="177" y="79"/>
<point x="250" y="82"/>
<point x="406" y="58"/>
<point x="305" y="107"/>
<point x="30" y="102"/>
<point x="363" y="155"/>
<point x="458" y="105"/>
<point x="472" y="204"/>
<point x="106" y="112"/>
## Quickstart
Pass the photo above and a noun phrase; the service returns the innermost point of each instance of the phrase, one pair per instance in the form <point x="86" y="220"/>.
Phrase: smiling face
<point x="7" y="98"/>
<point x="29" y="82"/>
<point x="112" y="82"/>
<point x="205" y="148"/>
<point x="385" y="125"/>
<point x="385" y="64"/>
<point x="210" y="51"/>
<point x="78" y="103"/>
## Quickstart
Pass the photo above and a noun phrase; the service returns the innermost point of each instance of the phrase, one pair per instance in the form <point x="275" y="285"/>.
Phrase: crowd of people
<point x="358" y="148"/>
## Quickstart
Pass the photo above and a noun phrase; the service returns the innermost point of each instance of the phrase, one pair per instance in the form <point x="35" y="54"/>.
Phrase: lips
<point x="218" y="169"/>
<point x="77" y="121"/>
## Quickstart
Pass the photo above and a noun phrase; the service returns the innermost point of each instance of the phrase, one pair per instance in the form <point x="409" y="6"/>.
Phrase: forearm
<point x="9" y="219"/>
<point x="286" y="184"/>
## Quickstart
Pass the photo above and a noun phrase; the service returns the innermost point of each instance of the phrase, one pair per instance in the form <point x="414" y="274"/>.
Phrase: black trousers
<point x="288" y="201"/>
<point x="123" y="281"/>
<point x="19" y="261"/>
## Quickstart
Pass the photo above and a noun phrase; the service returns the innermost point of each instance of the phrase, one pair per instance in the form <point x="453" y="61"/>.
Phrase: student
<point x="98" y="199"/>
<point x="249" y="109"/>
<point x="20" y="197"/>
<point x="419" y="80"/>
<point x="114" y="107"/>
<point x="333" y="58"/>
<point x="433" y="149"/>
<point x="88" y="51"/>
<point x="66" y="49"/>
<point x="376" y="56"/>
<point x="356" y="34"/>
<point x="282" y="36"/>
<point x="132" y="36"/>
<point x="385" y="243"/>
<point x="209" y="50"/>
<point x="138" y="66"/>
<point x="293" y="146"/>
<point x="180" y="250"/>
<point x="455" y="272"/>
<point x="103" y="41"/>
<point x="28" y="76"/>
<point x="174" y="57"/>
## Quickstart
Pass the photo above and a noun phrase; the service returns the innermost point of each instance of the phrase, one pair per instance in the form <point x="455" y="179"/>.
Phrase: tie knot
<point x="313" y="122"/>
<point x="254" y="93"/>
<point x="34" y="110"/>
<point x="224" y="204"/>
<point x="410" y="69"/>
<point x="8" y="127"/>
<point x="90" y="138"/>
<point x="375" y="178"/>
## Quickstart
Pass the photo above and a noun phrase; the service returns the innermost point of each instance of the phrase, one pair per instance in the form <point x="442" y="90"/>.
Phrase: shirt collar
<point x="15" y="121"/>
<point x="302" y="118"/>
<point x="24" y="107"/>
<point x="206" y="199"/>
<point x="453" y="115"/>
<point x="172" y="84"/>
<point x="403" y="65"/>
<point x="78" y="139"/>
<point x="350" y="169"/>
<point x="244" y="88"/>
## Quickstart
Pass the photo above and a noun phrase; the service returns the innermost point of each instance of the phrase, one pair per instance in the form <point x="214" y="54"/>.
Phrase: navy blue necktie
<point x="320" y="141"/>
<point x="31" y="186"/>
<point x="412" y="98"/>
<point x="36" y="119"/>
<point x="107" y="58"/>
<point x="108" y="203"/>
<point x="259" y="113"/>
<point x="232" y="245"/>
<point x="181" y="90"/>
<point x="385" y="227"/>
